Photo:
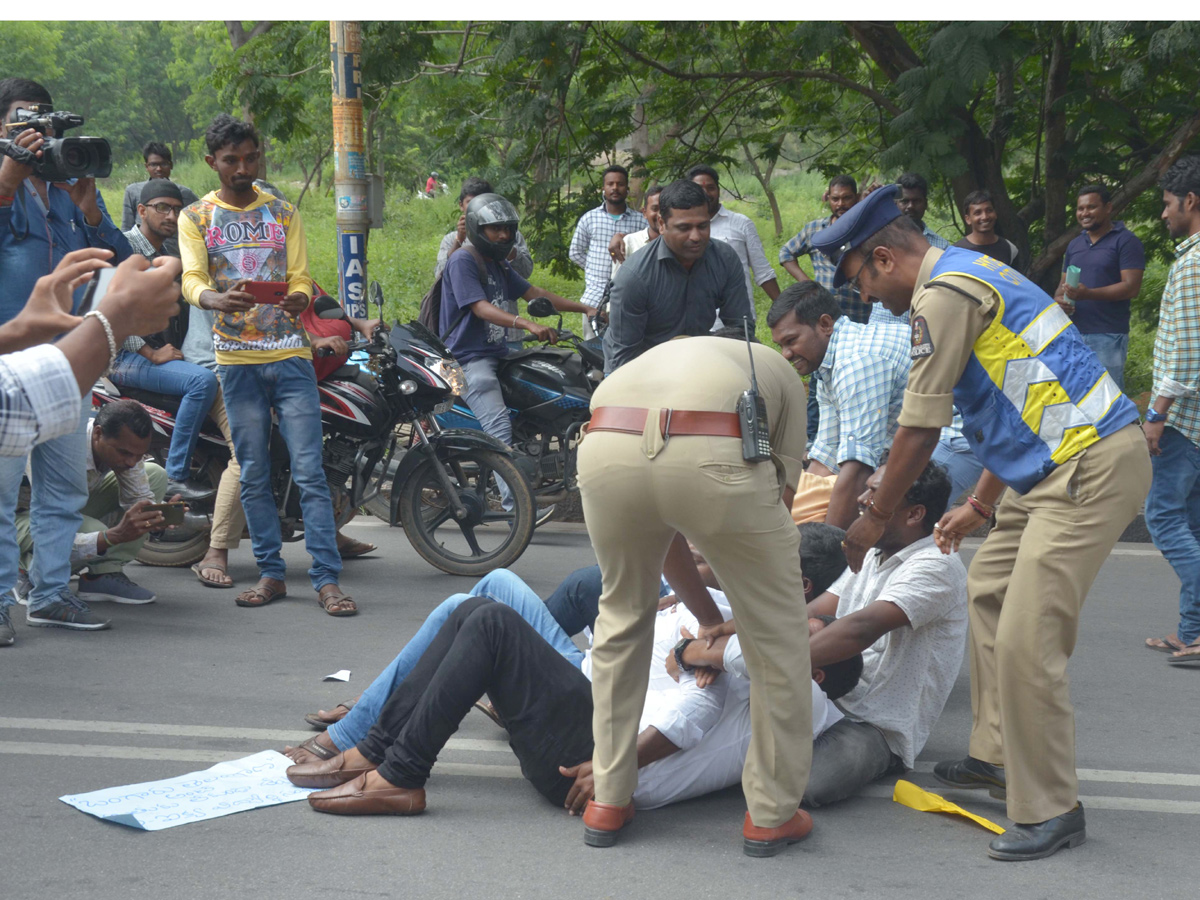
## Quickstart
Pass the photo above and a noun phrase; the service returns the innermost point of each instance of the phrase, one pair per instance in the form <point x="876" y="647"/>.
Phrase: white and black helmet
<point x="491" y="209"/>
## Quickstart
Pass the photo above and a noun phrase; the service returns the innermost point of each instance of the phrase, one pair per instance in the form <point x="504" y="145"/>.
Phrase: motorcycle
<point x="547" y="390"/>
<point x="441" y="484"/>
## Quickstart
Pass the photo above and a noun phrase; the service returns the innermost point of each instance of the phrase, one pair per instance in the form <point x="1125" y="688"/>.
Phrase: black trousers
<point x="486" y="647"/>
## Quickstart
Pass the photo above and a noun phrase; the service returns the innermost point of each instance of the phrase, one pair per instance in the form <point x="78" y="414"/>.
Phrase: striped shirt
<point x="39" y="398"/>
<point x="860" y="389"/>
<point x="1177" y="345"/>
<point x="589" y="247"/>
<point x="823" y="270"/>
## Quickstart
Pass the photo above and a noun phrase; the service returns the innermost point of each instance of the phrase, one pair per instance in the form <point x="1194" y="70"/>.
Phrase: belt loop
<point x="652" y="438"/>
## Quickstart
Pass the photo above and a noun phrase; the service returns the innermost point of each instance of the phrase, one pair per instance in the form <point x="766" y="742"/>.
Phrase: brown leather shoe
<point x="352" y="799"/>
<point x="769" y="841"/>
<point x="602" y="821"/>
<point x="325" y="774"/>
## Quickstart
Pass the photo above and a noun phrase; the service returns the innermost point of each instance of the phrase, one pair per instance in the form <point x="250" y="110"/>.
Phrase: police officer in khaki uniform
<point x="1047" y="421"/>
<point x="663" y="460"/>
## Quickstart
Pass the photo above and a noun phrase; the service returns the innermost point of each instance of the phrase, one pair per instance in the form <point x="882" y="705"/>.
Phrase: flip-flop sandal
<point x="262" y="596"/>
<point x="355" y="548"/>
<point x="1190" y="657"/>
<point x="315" y="720"/>
<point x="1169" y="644"/>
<point x="490" y="711"/>
<point x="199" y="568"/>
<point x="330" y="601"/>
<point x="318" y="750"/>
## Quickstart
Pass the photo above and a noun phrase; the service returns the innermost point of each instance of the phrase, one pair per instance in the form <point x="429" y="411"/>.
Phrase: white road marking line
<point x="1115" y="776"/>
<point x="210" y="731"/>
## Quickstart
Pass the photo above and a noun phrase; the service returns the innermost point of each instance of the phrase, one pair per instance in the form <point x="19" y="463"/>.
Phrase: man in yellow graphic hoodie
<point x="232" y="236"/>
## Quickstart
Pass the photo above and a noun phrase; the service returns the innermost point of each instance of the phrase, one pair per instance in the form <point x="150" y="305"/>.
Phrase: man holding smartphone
<point x="231" y="237"/>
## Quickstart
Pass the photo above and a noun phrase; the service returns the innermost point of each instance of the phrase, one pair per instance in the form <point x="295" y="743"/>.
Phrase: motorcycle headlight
<point x="450" y="372"/>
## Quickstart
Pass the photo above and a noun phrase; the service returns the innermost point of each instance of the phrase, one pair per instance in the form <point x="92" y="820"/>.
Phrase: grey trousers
<point x="846" y="758"/>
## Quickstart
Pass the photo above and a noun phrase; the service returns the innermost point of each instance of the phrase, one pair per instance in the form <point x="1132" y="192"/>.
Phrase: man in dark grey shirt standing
<point x="677" y="284"/>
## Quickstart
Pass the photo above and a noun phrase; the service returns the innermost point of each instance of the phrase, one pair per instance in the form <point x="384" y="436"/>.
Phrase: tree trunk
<point x="764" y="179"/>
<point x="1057" y="162"/>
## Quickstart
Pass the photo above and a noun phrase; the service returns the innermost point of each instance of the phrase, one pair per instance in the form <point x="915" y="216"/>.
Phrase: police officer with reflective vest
<point x="1047" y="421"/>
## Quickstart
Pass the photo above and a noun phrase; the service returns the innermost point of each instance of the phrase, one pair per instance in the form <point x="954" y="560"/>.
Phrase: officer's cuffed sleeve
<point x="926" y="410"/>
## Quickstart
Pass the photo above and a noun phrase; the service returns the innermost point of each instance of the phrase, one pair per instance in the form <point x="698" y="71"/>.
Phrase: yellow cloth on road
<point x="908" y="794"/>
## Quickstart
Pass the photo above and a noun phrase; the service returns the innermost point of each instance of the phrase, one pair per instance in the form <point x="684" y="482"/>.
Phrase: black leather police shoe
<point x="1041" y="839"/>
<point x="189" y="491"/>
<point x="970" y="772"/>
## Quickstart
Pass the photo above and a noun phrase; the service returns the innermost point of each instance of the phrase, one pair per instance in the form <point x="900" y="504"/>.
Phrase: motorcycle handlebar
<point x="351" y="347"/>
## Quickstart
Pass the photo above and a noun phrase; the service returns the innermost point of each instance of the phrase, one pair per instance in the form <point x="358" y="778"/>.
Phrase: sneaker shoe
<point x="7" y="634"/>
<point x="22" y="588"/>
<point x="114" y="586"/>
<point x="68" y="611"/>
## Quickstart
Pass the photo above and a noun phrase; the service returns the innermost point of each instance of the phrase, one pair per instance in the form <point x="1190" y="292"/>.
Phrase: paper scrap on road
<point x="908" y="794"/>
<point x="226" y="788"/>
<point x="339" y="675"/>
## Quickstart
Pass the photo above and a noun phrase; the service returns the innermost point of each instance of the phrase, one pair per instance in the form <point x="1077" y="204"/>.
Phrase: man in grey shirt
<point x="677" y="284"/>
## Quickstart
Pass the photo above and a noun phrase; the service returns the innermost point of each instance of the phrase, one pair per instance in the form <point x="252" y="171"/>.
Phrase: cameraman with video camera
<point x="49" y="206"/>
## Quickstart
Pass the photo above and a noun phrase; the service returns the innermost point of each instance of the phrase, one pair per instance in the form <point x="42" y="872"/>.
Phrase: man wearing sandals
<point x="233" y="236"/>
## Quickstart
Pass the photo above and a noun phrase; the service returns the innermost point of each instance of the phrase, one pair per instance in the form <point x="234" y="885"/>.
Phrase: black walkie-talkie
<point x="752" y="413"/>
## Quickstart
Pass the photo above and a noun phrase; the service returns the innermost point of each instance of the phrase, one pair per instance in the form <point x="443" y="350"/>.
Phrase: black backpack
<point x="430" y="313"/>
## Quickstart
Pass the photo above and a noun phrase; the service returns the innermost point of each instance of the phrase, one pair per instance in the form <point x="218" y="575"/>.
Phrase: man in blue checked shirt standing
<point x="589" y="247"/>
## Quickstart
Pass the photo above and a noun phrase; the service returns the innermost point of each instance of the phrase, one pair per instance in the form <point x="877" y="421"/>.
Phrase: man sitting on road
<point x="117" y="440"/>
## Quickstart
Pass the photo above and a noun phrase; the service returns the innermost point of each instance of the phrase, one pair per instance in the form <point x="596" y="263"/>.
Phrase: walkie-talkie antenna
<point x="750" y="353"/>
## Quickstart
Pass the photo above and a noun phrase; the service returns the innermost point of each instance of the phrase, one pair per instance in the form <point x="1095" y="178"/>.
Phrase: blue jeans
<point x="196" y="385"/>
<point x="502" y="586"/>
<point x="59" y="494"/>
<point x="1173" y="518"/>
<point x="1111" y="350"/>
<point x="576" y="602"/>
<point x="288" y="386"/>
<point x="963" y="467"/>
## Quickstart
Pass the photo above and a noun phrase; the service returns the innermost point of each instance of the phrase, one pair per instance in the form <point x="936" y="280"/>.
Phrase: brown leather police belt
<point x="671" y="422"/>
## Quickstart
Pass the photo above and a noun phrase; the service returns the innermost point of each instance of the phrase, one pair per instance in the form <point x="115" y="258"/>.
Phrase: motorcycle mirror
<point x="377" y="296"/>
<point x="541" y="307"/>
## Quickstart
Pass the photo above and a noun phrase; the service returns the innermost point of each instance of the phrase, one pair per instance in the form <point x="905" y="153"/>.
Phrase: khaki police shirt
<point x="947" y="317"/>
<point x="710" y="373"/>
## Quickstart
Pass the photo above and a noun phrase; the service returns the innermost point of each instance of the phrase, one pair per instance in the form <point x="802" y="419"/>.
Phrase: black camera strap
<point x="20" y="154"/>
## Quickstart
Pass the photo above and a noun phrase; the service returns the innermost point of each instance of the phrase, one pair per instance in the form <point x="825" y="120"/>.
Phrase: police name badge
<point x="922" y="342"/>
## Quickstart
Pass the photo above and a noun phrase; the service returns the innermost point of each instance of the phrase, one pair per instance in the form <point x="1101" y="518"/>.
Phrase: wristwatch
<point x="1153" y="415"/>
<point x="678" y="651"/>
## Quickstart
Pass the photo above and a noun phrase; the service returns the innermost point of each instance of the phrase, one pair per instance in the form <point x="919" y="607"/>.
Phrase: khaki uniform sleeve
<point x="945" y="324"/>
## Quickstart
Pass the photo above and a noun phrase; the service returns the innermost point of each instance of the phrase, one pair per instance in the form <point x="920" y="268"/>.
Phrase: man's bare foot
<point x="261" y="594"/>
<point x="212" y="569"/>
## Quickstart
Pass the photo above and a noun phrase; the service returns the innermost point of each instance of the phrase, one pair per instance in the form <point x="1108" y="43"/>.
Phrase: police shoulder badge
<point x="922" y="342"/>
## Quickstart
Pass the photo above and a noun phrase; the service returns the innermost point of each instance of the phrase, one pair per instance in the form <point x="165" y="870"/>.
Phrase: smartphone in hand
<point x="269" y="293"/>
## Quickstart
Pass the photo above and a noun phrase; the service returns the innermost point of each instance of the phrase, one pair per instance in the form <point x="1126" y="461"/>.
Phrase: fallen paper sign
<point x="908" y="794"/>
<point x="339" y="675"/>
<point x="226" y="788"/>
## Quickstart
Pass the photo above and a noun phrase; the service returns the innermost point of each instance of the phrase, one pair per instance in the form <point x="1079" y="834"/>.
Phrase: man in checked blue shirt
<point x="589" y="246"/>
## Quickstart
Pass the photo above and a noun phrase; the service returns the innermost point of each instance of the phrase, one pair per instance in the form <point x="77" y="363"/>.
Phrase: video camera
<point x="62" y="158"/>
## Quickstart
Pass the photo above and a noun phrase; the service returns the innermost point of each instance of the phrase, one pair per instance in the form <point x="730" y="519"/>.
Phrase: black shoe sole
<point x="994" y="791"/>
<point x="1071" y="840"/>
<point x="763" y="849"/>
<point x="593" y="837"/>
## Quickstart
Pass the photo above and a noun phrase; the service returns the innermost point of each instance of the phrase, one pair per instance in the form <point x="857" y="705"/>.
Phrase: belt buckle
<point x="666" y="435"/>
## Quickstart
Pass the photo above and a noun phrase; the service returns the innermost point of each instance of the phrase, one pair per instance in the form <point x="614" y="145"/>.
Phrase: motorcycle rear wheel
<point x="490" y="538"/>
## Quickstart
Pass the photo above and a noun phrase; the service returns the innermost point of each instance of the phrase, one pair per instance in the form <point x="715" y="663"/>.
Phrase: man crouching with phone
<point x="118" y="439"/>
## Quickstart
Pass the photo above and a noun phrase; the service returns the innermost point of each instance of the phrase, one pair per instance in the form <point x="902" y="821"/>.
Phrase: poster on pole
<point x="352" y="268"/>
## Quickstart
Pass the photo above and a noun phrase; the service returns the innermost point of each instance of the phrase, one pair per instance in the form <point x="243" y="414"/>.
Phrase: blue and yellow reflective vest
<point x="1033" y="394"/>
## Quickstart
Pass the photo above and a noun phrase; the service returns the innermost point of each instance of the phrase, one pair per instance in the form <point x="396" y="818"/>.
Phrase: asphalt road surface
<point x="191" y="680"/>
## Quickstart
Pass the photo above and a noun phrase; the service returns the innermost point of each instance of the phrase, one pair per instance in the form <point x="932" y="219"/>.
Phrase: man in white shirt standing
<point x="623" y="246"/>
<point x="739" y="232"/>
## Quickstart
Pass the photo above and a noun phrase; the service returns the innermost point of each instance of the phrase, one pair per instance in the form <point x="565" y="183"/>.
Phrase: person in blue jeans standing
<point x="40" y="223"/>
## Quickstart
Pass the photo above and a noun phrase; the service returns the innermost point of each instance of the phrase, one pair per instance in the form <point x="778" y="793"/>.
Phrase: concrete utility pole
<point x="350" y="181"/>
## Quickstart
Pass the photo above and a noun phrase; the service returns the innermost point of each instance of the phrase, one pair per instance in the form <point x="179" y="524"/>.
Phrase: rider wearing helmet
<point x="431" y="184"/>
<point x="479" y="303"/>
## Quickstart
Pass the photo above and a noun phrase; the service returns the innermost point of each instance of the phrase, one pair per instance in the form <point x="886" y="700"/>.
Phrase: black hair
<point x="737" y="332"/>
<point x="652" y="190"/>
<point x="843" y="181"/>
<point x="681" y="194"/>
<point x="621" y="170"/>
<point x="474" y="186"/>
<point x="808" y="300"/>
<point x="931" y="490"/>
<point x="1101" y="190"/>
<point x="841" y="677"/>
<point x="155" y="148"/>
<point x="703" y="170"/>
<point x="974" y="199"/>
<point x="900" y="234"/>
<point x="911" y="181"/>
<point x="226" y="131"/>
<point x="1183" y="177"/>
<point x="130" y="414"/>
<point x="822" y="556"/>
<point x="14" y="89"/>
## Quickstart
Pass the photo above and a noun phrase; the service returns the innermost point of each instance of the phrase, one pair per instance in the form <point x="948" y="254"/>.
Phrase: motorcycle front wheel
<point x="489" y="537"/>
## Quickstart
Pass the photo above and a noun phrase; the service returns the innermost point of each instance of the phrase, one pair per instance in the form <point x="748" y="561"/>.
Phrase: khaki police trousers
<point x="1026" y="587"/>
<point x="637" y="493"/>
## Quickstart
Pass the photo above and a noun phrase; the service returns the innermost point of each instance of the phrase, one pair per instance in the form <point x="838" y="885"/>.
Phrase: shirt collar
<point x="1187" y="244"/>
<point x="839" y="328"/>
<point x="141" y="243"/>
<point x="904" y="554"/>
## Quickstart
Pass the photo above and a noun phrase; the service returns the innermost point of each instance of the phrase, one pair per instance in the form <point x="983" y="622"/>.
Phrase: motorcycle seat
<point x="166" y="402"/>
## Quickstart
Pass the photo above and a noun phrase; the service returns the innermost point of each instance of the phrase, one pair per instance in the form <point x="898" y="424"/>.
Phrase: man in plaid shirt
<point x="589" y="246"/>
<point x="1173" y="419"/>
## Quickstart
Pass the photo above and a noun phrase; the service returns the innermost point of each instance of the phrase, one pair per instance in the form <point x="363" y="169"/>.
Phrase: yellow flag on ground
<point x="908" y="794"/>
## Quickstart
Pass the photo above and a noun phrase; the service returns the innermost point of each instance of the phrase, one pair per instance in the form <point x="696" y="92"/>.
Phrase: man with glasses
<point x="158" y="165"/>
<point x="155" y="362"/>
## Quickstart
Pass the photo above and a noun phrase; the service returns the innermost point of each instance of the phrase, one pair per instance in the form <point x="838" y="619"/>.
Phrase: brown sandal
<point x="199" y="568"/>
<point x="311" y="746"/>
<point x="335" y="604"/>
<point x="315" y="720"/>
<point x="259" y="596"/>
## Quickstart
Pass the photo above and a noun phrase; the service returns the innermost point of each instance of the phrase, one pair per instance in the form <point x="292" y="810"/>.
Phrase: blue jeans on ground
<point x="197" y="387"/>
<point x="963" y="467"/>
<point x="59" y="493"/>
<point x="501" y="586"/>
<point x="1111" y="350"/>
<point x="289" y="386"/>
<point x="1173" y="518"/>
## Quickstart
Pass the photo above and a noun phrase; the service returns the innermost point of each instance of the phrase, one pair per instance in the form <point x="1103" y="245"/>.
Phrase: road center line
<point x="1114" y="776"/>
